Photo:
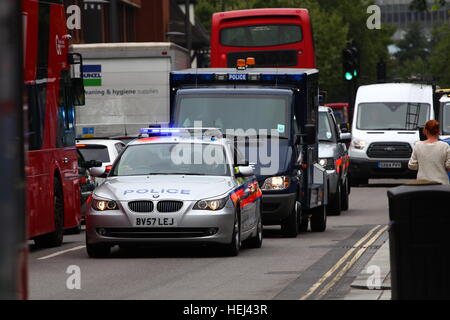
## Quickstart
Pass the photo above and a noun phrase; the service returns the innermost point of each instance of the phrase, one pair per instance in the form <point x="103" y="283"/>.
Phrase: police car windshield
<point x="245" y="114"/>
<point x="446" y="119"/>
<point x="392" y="115"/>
<point x="172" y="159"/>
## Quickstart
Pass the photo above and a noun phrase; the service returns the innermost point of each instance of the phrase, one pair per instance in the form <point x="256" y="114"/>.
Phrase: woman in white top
<point x="431" y="157"/>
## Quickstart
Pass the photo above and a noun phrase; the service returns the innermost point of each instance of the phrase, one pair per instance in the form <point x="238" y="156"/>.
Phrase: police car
<point x="172" y="188"/>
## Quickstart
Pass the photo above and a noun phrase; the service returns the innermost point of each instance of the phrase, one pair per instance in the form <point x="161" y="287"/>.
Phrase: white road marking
<point x="338" y="264"/>
<point x="61" y="252"/>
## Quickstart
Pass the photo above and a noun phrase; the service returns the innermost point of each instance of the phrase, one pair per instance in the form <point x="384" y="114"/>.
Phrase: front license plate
<point x="389" y="165"/>
<point x="155" y="222"/>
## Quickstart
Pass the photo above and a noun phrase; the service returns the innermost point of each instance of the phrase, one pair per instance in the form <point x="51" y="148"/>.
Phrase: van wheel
<point x="345" y="196"/>
<point x="289" y="227"/>
<point x="319" y="219"/>
<point x="232" y="249"/>
<point x="356" y="182"/>
<point x="55" y="238"/>
<point x="98" y="250"/>
<point x="334" y="206"/>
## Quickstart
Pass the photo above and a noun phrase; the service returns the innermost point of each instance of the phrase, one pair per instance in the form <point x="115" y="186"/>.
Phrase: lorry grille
<point x="141" y="206"/>
<point x="169" y="206"/>
<point x="274" y="58"/>
<point x="389" y="150"/>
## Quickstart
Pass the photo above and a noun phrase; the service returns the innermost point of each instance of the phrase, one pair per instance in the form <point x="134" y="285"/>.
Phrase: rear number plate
<point x="389" y="165"/>
<point x="155" y="222"/>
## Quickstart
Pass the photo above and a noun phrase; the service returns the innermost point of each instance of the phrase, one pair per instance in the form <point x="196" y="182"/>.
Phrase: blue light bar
<point x="159" y="131"/>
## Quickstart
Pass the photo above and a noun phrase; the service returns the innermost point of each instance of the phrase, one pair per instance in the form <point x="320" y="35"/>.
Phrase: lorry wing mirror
<point x="78" y="93"/>
<point x="422" y="135"/>
<point x="298" y="139"/>
<point x="310" y="136"/>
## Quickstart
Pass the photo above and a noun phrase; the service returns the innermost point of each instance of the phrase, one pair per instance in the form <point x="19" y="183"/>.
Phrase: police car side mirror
<point x="245" y="171"/>
<point x="97" y="171"/>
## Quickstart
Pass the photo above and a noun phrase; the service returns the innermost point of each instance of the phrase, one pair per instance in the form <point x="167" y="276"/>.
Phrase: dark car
<point x="334" y="158"/>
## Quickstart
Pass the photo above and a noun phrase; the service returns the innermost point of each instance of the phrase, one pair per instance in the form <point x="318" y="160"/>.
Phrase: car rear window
<point x="94" y="152"/>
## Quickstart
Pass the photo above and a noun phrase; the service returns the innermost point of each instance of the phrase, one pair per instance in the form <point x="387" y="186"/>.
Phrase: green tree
<point x="440" y="56"/>
<point x="413" y="45"/>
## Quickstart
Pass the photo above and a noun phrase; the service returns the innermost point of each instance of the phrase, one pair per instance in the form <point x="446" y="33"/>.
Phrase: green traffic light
<point x="348" y="76"/>
<point x="355" y="73"/>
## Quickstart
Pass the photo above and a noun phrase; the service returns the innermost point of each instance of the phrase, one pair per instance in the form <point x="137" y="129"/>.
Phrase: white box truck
<point x="127" y="86"/>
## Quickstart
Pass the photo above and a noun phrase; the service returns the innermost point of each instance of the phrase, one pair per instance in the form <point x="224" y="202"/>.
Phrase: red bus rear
<point x="274" y="37"/>
<point x="53" y="190"/>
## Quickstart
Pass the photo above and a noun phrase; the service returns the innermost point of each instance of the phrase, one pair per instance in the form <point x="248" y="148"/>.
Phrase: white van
<point x="385" y="129"/>
<point x="444" y="117"/>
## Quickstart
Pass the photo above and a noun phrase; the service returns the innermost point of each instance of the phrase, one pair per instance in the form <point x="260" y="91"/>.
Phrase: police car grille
<point x="169" y="206"/>
<point x="389" y="150"/>
<point x="141" y="206"/>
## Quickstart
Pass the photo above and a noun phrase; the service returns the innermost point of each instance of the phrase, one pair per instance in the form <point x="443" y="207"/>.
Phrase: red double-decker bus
<point x="51" y="93"/>
<point x="274" y="37"/>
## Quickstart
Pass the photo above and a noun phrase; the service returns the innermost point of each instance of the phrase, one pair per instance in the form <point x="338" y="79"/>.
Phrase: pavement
<point x="374" y="281"/>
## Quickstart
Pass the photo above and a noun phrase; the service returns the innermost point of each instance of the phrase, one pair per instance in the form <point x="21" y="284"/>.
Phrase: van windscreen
<point x="392" y="115"/>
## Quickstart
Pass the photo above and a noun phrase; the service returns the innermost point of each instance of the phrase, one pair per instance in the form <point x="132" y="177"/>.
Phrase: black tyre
<point x="356" y="182"/>
<point x="257" y="240"/>
<point x="345" y="196"/>
<point x="232" y="249"/>
<point x="55" y="238"/>
<point x="289" y="227"/>
<point x="334" y="206"/>
<point x="98" y="250"/>
<point x="319" y="219"/>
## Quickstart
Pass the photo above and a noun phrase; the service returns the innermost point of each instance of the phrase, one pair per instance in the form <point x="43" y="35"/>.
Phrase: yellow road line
<point x="350" y="263"/>
<point x="61" y="252"/>
<point x="338" y="264"/>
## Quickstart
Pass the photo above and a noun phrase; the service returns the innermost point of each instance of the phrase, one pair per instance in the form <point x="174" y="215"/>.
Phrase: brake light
<point x="108" y="169"/>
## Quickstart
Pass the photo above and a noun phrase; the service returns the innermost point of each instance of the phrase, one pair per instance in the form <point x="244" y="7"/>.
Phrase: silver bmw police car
<point x="175" y="189"/>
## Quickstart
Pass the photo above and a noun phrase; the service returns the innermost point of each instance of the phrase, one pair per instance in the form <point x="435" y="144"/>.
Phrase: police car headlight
<point x="103" y="205"/>
<point x="213" y="205"/>
<point x="276" y="183"/>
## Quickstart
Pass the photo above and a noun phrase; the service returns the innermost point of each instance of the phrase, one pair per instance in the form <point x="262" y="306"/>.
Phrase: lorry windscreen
<point x="391" y="115"/>
<point x="446" y="119"/>
<point x="235" y="111"/>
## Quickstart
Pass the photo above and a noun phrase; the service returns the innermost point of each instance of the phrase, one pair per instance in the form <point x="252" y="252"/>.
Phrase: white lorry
<point x="444" y="113"/>
<point x="127" y="86"/>
<point x="385" y="128"/>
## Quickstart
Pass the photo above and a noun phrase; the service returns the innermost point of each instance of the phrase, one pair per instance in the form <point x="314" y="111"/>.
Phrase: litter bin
<point x="419" y="239"/>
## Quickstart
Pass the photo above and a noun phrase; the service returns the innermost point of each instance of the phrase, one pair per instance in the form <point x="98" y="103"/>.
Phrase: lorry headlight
<point x="103" y="205"/>
<point x="276" y="183"/>
<point x="358" y="144"/>
<point x="328" y="163"/>
<point x="213" y="205"/>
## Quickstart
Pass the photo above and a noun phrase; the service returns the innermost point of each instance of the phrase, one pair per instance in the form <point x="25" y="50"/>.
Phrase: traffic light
<point x="350" y="62"/>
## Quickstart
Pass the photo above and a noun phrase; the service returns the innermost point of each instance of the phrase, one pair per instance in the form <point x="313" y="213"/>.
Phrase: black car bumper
<point x="277" y="207"/>
<point x="365" y="169"/>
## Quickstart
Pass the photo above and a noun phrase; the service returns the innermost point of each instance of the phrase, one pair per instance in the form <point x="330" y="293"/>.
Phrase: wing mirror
<point x="97" y="171"/>
<point x="345" y="137"/>
<point x="245" y="171"/>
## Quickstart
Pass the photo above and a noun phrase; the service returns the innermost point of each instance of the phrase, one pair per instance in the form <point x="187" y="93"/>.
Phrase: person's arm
<point x="413" y="163"/>
<point x="447" y="162"/>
